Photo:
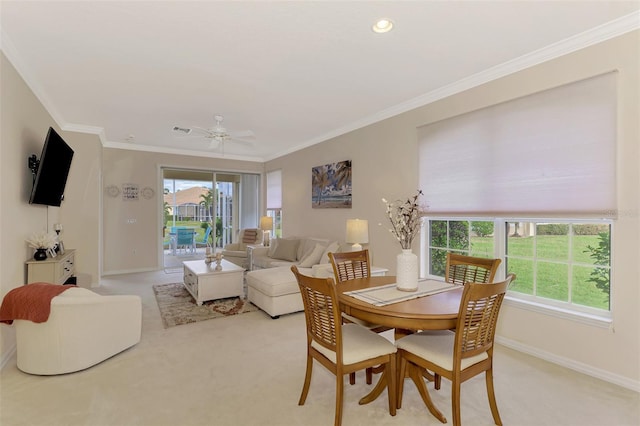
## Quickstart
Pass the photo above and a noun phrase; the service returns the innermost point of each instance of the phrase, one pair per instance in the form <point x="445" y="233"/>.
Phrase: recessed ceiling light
<point x="382" y="26"/>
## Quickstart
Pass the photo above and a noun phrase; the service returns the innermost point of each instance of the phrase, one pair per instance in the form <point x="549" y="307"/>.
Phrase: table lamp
<point x="266" y="224"/>
<point x="357" y="233"/>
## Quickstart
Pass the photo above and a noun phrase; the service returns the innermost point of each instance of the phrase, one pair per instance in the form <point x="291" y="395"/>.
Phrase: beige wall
<point x="24" y="123"/>
<point x="385" y="165"/>
<point x="132" y="230"/>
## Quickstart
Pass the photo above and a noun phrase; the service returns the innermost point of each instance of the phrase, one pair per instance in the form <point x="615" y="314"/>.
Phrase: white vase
<point x="407" y="271"/>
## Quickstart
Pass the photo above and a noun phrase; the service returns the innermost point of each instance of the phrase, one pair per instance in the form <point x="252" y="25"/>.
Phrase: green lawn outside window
<point x="553" y="261"/>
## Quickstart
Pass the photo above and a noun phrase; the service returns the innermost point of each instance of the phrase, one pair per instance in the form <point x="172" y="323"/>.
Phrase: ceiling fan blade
<point x="242" y="141"/>
<point x="243" y="134"/>
<point x="203" y="131"/>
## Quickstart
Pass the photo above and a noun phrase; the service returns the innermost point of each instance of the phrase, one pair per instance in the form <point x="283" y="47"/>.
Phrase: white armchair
<point x="83" y="329"/>
<point x="237" y="252"/>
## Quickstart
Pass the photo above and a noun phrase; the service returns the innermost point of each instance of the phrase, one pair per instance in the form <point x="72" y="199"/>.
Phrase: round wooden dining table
<point x="433" y="312"/>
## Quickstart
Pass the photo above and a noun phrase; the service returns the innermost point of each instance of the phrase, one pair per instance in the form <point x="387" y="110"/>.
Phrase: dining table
<point x="431" y="311"/>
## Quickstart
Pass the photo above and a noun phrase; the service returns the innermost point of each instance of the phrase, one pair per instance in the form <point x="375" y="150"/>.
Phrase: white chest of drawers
<point x="55" y="270"/>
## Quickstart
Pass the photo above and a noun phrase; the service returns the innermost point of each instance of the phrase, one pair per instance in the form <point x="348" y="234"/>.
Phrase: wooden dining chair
<point x="462" y="269"/>
<point x="458" y="355"/>
<point x="350" y="266"/>
<point x="341" y="348"/>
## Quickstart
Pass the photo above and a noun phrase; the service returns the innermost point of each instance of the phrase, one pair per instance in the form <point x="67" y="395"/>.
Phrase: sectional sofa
<point x="270" y="283"/>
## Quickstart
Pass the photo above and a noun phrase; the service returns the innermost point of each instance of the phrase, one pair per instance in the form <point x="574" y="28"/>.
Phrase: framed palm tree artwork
<point x="331" y="186"/>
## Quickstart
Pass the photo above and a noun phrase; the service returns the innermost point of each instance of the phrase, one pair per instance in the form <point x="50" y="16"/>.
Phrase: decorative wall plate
<point x="147" y="193"/>
<point x="112" y="190"/>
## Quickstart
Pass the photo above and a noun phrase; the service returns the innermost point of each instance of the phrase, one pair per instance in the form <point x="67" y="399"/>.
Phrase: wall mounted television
<point x="50" y="178"/>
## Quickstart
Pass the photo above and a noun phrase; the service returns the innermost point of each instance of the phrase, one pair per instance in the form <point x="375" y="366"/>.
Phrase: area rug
<point x="177" y="307"/>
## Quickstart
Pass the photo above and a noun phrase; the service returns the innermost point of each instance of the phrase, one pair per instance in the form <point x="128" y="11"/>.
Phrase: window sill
<point x="581" y="317"/>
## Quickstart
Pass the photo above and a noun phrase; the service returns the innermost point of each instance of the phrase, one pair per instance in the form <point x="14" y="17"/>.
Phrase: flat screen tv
<point x="51" y="176"/>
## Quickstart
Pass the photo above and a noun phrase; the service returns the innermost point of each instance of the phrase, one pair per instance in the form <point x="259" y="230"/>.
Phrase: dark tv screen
<point x="51" y="177"/>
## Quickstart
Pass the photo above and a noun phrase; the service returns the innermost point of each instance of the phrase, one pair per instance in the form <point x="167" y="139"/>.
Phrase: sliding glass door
<point x="212" y="206"/>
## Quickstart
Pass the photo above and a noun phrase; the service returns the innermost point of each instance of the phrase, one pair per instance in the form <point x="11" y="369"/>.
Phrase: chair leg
<point x="492" y="397"/>
<point x="455" y="401"/>
<point x="369" y="374"/>
<point x="392" y="376"/>
<point x="352" y="378"/>
<point x="307" y="381"/>
<point x="437" y="381"/>
<point x="339" y="399"/>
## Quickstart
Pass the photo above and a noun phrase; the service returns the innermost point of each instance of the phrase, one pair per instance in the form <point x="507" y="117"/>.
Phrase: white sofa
<point x="271" y="285"/>
<point x="83" y="329"/>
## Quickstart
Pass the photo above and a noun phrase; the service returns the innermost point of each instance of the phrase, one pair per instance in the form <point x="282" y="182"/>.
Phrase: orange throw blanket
<point x="30" y="302"/>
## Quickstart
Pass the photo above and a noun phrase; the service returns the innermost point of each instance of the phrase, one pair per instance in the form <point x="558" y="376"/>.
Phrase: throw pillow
<point x="273" y="244"/>
<point x="286" y="250"/>
<point x="332" y="248"/>
<point x="312" y="258"/>
<point x="250" y="236"/>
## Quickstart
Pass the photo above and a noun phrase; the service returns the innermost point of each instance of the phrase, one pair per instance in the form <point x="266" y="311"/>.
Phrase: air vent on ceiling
<point x="181" y="129"/>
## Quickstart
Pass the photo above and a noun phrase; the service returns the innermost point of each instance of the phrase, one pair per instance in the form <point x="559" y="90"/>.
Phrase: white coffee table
<point x="205" y="283"/>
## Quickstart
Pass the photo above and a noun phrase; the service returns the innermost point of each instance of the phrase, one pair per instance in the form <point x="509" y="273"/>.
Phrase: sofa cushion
<point x="307" y="244"/>
<point x="273" y="281"/>
<point x="286" y="250"/>
<point x="331" y="248"/>
<point x="314" y="257"/>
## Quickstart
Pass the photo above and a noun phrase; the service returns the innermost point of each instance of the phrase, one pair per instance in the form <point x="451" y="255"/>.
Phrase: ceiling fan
<point x="216" y="134"/>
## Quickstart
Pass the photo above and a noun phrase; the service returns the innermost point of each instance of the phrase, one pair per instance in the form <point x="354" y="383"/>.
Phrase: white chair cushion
<point x="436" y="347"/>
<point x="358" y="344"/>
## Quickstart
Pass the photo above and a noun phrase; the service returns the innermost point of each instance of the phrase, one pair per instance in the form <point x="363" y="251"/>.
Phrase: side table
<point x="250" y="248"/>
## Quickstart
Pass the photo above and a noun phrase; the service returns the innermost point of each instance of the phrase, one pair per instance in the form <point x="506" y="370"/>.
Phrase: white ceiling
<point x="295" y="73"/>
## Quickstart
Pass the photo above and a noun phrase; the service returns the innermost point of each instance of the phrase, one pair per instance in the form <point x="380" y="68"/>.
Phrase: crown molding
<point x="174" y="151"/>
<point x="585" y="39"/>
<point x="577" y="42"/>
<point x="7" y="46"/>
<point x="91" y="130"/>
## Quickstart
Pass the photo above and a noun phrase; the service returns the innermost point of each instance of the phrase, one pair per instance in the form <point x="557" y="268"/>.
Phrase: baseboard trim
<point x="571" y="364"/>
<point x="129" y="271"/>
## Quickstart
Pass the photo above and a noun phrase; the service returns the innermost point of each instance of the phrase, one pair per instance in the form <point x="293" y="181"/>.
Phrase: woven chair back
<point x="462" y="269"/>
<point x="478" y="316"/>
<point x="321" y="310"/>
<point x="350" y="265"/>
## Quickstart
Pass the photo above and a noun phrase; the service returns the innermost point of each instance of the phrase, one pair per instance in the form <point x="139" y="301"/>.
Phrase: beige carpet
<point x="248" y="370"/>
<point x="177" y="307"/>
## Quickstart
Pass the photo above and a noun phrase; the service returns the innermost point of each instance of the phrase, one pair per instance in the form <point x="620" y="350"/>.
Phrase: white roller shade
<point x="274" y="189"/>
<point x="552" y="152"/>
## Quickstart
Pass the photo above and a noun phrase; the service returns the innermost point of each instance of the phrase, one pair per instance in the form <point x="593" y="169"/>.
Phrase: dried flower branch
<point x="405" y="219"/>
<point x="42" y="240"/>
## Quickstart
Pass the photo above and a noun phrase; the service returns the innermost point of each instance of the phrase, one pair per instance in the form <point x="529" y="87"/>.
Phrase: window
<point x="455" y="236"/>
<point x="274" y="200"/>
<point x="561" y="263"/>
<point x="564" y="262"/>
<point x="514" y="165"/>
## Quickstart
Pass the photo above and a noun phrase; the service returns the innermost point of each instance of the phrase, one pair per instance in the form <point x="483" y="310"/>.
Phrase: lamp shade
<point x="357" y="231"/>
<point x="266" y="223"/>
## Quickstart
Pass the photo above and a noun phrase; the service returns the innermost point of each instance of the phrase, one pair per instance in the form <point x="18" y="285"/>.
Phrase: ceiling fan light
<point x="382" y="26"/>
